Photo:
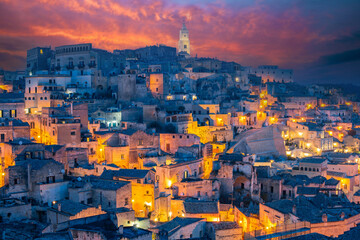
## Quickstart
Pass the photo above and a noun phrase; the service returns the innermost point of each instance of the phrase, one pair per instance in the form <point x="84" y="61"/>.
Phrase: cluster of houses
<point x="155" y="144"/>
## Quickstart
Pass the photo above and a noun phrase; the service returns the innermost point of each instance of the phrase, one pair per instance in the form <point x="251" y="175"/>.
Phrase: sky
<point x="319" y="39"/>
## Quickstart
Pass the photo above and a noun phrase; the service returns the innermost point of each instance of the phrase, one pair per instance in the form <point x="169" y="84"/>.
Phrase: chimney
<point x="59" y="207"/>
<point x="29" y="178"/>
<point x="121" y="229"/>
<point x="324" y="218"/>
<point x="294" y="209"/>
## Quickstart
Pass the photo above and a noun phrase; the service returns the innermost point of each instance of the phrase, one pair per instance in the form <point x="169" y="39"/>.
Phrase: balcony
<point x="81" y="65"/>
<point x="70" y="66"/>
<point x="92" y="65"/>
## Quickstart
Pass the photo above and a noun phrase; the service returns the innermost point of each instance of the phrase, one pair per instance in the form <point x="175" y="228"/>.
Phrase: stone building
<point x="125" y="85"/>
<point x="12" y="105"/>
<point x="107" y="193"/>
<point x="181" y="228"/>
<point x="273" y="74"/>
<point x="38" y="59"/>
<point x="167" y="175"/>
<point x="66" y="210"/>
<point x="158" y="85"/>
<point x="12" y="209"/>
<point x="202" y="189"/>
<point x="58" y="127"/>
<point x="142" y="188"/>
<point x="184" y="41"/>
<point x="12" y="129"/>
<point x="40" y="180"/>
<point x="170" y="142"/>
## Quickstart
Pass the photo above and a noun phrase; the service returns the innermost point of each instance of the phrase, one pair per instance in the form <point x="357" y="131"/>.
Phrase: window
<point x="13" y="113"/>
<point x="16" y="181"/>
<point x="1" y="112"/>
<point x="138" y="181"/>
<point x="2" y="137"/>
<point x="186" y="174"/>
<point x="272" y="189"/>
<point x="73" y="133"/>
<point x="50" y="179"/>
<point x="140" y="142"/>
<point x="122" y="156"/>
<point x="126" y="201"/>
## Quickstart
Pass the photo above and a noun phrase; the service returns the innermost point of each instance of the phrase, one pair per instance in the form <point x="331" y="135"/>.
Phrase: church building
<point x="184" y="41"/>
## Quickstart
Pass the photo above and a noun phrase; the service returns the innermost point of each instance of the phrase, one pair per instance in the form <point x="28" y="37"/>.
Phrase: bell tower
<point x="184" y="41"/>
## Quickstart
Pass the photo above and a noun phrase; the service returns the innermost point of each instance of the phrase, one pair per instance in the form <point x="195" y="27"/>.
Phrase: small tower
<point x="184" y="41"/>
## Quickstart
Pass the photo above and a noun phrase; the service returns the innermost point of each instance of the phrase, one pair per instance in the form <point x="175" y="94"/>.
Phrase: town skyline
<point x="182" y="119"/>
<point x="309" y="38"/>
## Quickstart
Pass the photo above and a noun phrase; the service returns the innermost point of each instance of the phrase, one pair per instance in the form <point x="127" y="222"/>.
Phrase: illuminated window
<point x="1" y="113"/>
<point x="41" y="51"/>
<point x="186" y="174"/>
<point x="13" y="113"/>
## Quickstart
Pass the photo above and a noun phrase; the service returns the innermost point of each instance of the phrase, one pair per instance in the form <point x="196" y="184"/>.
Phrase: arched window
<point x="186" y="174"/>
